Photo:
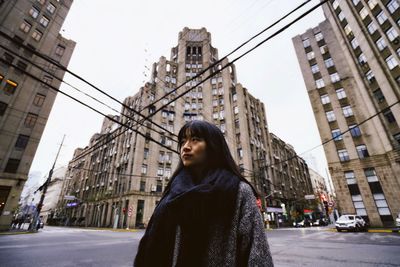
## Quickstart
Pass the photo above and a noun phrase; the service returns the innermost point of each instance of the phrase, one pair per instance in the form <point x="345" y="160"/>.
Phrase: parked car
<point x="398" y="220"/>
<point x="304" y="223"/>
<point x="320" y="222"/>
<point x="350" y="222"/>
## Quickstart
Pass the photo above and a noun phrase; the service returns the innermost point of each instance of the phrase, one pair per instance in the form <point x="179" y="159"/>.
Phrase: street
<point x="57" y="246"/>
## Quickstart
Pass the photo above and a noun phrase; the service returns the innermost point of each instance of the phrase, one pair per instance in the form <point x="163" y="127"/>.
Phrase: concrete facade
<point x="25" y="103"/>
<point x="350" y="67"/>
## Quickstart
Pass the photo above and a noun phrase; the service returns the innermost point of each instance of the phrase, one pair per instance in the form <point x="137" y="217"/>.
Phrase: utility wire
<point x="77" y="89"/>
<point x="86" y="105"/>
<point x="56" y="63"/>
<point x="231" y="63"/>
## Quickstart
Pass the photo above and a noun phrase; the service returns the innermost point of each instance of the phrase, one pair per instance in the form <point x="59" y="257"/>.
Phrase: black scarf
<point x="196" y="207"/>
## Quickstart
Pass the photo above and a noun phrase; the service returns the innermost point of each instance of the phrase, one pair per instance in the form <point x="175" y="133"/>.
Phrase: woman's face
<point x="193" y="151"/>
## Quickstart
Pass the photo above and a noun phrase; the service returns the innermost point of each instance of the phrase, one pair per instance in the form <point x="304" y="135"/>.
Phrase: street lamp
<point x="266" y="207"/>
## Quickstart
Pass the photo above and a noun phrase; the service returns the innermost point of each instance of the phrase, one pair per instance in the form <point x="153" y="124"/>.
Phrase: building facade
<point x="117" y="180"/>
<point x="350" y="67"/>
<point x="25" y="103"/>
<point x="292" y="183"/>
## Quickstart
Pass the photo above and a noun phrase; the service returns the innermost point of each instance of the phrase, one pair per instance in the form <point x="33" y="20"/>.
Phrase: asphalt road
<point x="55" y="246"/>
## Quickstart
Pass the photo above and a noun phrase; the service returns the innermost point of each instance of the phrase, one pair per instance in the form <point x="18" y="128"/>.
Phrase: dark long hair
<point x="217" y="150"/>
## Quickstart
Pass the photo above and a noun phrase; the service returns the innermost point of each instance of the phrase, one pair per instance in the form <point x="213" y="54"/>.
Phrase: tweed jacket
<point x="245" y="244"/>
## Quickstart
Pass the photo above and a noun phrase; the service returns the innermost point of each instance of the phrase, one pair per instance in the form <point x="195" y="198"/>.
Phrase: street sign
<point x="69" y="197"/>
<point x="73" y="204"/>
<point x="309" y="197"/>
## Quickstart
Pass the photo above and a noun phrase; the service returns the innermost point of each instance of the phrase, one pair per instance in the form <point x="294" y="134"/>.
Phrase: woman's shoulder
<point x="245" y="191"/>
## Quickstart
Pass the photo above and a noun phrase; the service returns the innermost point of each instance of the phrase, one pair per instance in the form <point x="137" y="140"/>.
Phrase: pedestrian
<point x="207" y="215"/>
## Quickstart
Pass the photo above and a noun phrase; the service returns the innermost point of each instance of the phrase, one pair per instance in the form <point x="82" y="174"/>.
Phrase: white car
<point x="398" y="220"/>
<point x="350" y="222"/>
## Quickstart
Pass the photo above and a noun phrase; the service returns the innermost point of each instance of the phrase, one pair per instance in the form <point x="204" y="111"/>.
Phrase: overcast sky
<point x="117" y="39"/>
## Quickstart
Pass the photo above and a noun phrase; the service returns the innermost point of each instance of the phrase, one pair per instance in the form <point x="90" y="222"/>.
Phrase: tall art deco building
<point x="350" y="65"/>
<point x="26" y="27"/>
<point x="119" y="183"/>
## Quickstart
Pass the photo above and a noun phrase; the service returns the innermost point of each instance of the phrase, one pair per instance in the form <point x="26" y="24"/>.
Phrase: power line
<point x="217" y="62"/>
<point x="236" y="59"/>
<point x="88" y="106"/>
<point x="56" y="63"/>
<point x="77" y="89"/>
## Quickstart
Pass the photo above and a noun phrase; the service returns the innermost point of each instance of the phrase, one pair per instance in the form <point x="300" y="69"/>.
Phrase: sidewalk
<point x="16" y="231"/>
<point x="377" y="230"/>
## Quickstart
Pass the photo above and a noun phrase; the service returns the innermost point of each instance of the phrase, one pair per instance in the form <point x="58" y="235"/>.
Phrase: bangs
<point x="194" y="128"/>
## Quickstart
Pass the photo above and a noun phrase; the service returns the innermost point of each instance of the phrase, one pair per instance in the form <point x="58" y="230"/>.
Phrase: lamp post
<point x="266" y="207"/>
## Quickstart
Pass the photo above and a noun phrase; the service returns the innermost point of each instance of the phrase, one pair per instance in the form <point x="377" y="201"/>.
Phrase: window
<point x="341" y="16"/>
<point x="325" y="99"/>
<point x="330" y="116"/>
<point x="47" y="80"/>
<point x="142" y="186"/>
<point x="354" y="43"/>
<point x="347" y="111"/>
<point x="350" y="177"/>
<point x="381" y="204"/>
<point x="397" y="137"/>
<point x="167" y="172"/>
<point x="389" y="116"/>
<point x="381" y="17"/>
<point x="392" y="34"/>
<point x="335" y="4"/>
<point x="372" y="3"/>
<point x="30" y="120"/>
<point x="240" y="153"/>
<point x="379" y="95"/>
<point x="341" y="93"/>
<point x="12" y="165"/>
<point x="359" y="205"/>
<point x="336" y="135"/>
<point x="34" y="12"/>
<point x="391" y="62"/>
<point x="60" y="51"/>
<point x="306" y="43"/>
<point x="319" y="36"/>
<point x="355" y="130"/>
<point x="159" y="186"/>
<point x="335" y="77"/>
<point x="362" y="151"/>
<point x="3" y="108"/>
<point x="343" y="155"/>
<point x="39" y="100"/>
<point x="51" y="8"/>
<point x="371" y="175"/>
<point x="10" y="87"/>
<point x="44" y="21"/>
<point x="355" y="2"/>
<point x="328" y="62"/>
<point x="319" y="83"/>
<point x="22" y="141"/>
<point x="25" y="26"/>
<point x="362" y="59"/>
<point x="347" y="30"/>
<point x="392" y="6"/>
<point x="236" y="110"/>
<point x="160" y="171"/>
<point x="363" y="13"/>
<point x="310" y="55"/>
<point x="370" y="76"/>
<point x="41" y="1"/>
<point x="314" y="68"/>
<point x="144" y="169"/>
<point x="381" y="44"/>
<point x="145" y="153"/>
<point x="37" y="35"/>
<point x="323" y="49"/>
<point x="371" y="28"/>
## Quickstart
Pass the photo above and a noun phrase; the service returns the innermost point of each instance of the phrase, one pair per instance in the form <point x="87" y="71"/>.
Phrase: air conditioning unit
<point x="160" y="178"/>
<point x="153" y="188"/>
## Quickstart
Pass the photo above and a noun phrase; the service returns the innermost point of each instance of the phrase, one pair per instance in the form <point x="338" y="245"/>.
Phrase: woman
<point x="208" y="214"/>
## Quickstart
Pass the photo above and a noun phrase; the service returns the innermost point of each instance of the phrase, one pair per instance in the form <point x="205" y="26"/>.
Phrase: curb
<point x="373" y="230"/>
<point x="16" y="233"/>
